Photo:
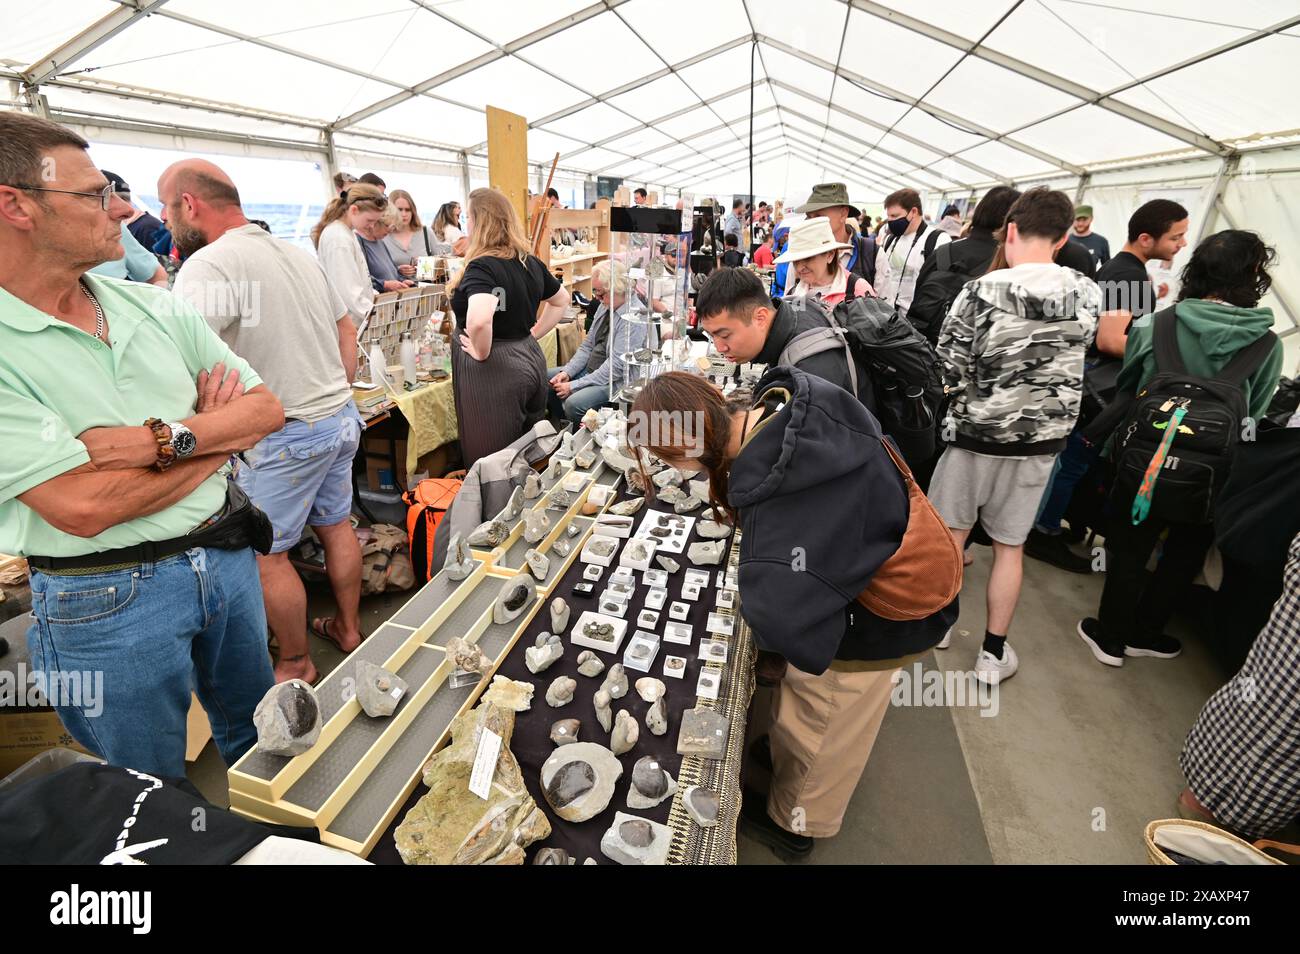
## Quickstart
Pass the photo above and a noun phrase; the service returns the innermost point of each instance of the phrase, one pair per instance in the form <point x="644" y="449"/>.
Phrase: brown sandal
<point x="320" y="626"/>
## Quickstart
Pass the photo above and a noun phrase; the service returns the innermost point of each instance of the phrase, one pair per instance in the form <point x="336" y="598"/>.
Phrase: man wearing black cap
<point x="143" y="226"/>
<point x="138" y="263"/>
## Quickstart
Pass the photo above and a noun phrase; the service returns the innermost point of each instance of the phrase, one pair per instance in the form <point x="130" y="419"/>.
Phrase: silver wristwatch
<point x="183" y="441"/>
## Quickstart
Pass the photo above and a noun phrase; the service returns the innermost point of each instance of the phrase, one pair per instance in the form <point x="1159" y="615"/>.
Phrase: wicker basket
<point x="1235" y="850"/>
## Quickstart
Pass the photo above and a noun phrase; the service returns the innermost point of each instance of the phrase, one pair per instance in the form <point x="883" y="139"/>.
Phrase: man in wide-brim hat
<point x="830" y="200"/>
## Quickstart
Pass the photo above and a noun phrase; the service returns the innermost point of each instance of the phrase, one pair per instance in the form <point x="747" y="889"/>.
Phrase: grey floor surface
<point x="1072" y="761"/>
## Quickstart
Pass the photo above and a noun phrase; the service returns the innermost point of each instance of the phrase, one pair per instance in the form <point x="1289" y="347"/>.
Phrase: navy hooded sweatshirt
<point x="821" y="506"/>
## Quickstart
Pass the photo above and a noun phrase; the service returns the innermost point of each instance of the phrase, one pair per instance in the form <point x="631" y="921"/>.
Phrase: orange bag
<point x="924" y="574"/>
<point x="426" y="505"/>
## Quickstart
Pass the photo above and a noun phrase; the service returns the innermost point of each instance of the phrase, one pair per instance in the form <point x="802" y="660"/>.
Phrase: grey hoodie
<point x="1012" y="348"/>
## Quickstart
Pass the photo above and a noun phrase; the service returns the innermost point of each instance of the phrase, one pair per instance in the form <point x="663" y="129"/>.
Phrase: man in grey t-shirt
<point x="270" y="302"/>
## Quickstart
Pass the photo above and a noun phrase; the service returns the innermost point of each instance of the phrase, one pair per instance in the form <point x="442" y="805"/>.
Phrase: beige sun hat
<point x="808" y="238"/>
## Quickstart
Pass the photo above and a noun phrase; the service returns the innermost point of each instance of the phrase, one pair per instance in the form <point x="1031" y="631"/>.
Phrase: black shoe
<point x="1109" y="652"/>
<point x="1161" y="647"/>
<point x="755" y="823"/>
<point x="761" y="752"/>
<point x="1052" y="548"/>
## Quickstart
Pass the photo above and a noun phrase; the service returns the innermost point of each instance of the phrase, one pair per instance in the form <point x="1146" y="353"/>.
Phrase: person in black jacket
<point x="745" y="325"/>
<point x="821" y="506"/>
<point x="937" y="287"/>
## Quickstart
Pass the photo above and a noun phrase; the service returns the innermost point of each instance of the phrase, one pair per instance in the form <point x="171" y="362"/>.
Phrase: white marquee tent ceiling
<point x="938" y="95"/>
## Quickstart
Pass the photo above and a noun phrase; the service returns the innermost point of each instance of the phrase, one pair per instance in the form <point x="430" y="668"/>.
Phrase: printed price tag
<point x="485" y="763"/>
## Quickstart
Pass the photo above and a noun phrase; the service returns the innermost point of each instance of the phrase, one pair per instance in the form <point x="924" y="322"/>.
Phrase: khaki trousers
<point x="822" y="733"/>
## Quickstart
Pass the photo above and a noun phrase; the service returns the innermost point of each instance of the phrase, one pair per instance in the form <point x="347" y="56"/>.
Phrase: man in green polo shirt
<point x="118" y="419"/>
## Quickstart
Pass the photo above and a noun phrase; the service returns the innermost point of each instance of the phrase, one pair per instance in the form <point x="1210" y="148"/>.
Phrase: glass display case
<point x="649" y="296"/>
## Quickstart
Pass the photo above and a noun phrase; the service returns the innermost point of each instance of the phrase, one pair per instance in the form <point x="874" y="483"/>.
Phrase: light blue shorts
<point x="302" y="474"/>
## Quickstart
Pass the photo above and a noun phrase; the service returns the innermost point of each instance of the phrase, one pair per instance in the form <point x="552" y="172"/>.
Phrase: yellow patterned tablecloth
<point x="430" y="411"/>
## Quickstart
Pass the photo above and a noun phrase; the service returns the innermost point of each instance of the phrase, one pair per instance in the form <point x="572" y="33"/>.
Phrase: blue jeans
<point x="146" y="634"/>
<point x="1071" y="466"/>
<point x="577" y="403"/>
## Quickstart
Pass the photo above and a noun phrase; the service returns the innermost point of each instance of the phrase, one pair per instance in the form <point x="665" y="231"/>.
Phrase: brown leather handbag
<point x="924" y="574"/>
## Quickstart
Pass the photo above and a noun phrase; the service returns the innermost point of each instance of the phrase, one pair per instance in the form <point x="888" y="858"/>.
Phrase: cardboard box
<point x="26" y="733"/>
<point x="436" y="463"/>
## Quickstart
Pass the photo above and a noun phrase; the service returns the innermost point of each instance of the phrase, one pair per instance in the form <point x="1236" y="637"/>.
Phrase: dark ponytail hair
<point x="657" y="423"/>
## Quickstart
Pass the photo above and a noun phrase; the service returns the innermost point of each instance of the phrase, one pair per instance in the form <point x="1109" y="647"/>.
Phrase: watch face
<point x="183" y="442"/>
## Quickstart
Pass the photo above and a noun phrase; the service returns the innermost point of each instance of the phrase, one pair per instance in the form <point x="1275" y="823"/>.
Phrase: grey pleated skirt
<point x="497" y="400"/>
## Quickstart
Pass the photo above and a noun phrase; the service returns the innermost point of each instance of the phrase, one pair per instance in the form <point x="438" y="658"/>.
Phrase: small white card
<point x="485" y="764"/>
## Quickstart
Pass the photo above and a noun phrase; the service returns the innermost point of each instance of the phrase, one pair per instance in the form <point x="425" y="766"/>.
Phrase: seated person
<point x="593" y="375"/>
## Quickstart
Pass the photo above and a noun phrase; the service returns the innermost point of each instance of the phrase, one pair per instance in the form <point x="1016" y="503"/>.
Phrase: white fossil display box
<point x="713" y="650"/>
<point x="706" y="687"/>
<point x="600" y="550"/>
<point x="638" y="554"/>
<point x="678" y="633"/>
<point x="722" y="625"/>
<point x="640" y="653"/>
<point x="679" y="611"/>
<point x="655" y="577"/>
<point x="656" y="598"/>
<point x="612" y="525"/>
<point x="675" y="666"/>
<point x="599" y="632"/>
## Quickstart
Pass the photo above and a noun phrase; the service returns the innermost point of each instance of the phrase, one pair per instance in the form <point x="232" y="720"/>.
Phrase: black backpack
<point x="934" y="298"/>
<point x="901" y="362"/>
<point x="1187" y="480"/>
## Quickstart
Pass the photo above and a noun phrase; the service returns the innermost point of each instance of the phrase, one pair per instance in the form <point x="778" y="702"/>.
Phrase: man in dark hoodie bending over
<point x="746" y="325"/>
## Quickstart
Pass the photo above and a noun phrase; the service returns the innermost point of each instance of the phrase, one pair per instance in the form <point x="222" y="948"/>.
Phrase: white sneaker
<point x="946" y="641"/>
<point x="991" y="670"/>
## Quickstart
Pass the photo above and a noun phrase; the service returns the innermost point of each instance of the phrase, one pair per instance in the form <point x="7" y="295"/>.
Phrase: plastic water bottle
<point x="408" y="353"/>
<point x="377" y="376"/>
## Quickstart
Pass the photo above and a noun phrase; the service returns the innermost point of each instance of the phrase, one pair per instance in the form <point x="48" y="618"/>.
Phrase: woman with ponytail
<point x="357" y="209"/>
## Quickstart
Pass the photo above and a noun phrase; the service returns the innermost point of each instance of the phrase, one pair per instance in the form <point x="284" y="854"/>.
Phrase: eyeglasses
<point x="104" y="195"/>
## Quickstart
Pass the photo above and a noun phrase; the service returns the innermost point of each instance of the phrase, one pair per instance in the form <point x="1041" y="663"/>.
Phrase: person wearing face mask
<point x="909" y="243"/>
<point x="359" y="207"/>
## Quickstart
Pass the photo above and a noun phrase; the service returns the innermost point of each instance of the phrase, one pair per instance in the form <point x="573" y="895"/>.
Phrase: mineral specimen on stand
<point x="626" y="731"/>
<point x="578" y="780"/>
<point x="287" y="719"/>
<point x="636" y="841"/>
<point x="466" y="656"/>
<point x="512" y="694"/>
<point x="650" y="784"/>
<point x="515" y="596"/>
<point x="378" y="690"/>
<point x="688" y="503"/>
<point x="459" y="564"/>
<point x="670" y="477"/>
<point x="450" y="825"/>
<point x="585" y="457"/>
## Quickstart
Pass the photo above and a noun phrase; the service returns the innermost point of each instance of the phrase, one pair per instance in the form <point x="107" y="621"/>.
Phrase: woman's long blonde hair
<point x="396" y="194"/>
<point x="364" y="196"/>
<point x="497" y="231"/>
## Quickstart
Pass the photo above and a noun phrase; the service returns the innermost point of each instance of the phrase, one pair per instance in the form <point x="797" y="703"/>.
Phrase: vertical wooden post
<point x="507" y="137"/>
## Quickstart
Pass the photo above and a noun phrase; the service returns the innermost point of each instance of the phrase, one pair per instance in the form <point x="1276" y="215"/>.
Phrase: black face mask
<point x="897" y="226"/>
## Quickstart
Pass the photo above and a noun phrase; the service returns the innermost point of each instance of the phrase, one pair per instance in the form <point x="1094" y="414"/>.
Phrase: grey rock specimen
<point x="552" y="471"/>
<point x="601" y="702"/>
<point x="712" y="530"/>
<point x="565" y="731"/>
<point x="673" y="494"/>
<point x="573" y="529"/>
<point x="554" y="857"/>
<point x="702" y="805"/>
<point x="707" y="554"/>
<point x="560" y="692"/>
<point x="617" y="460"/>
<point x="459" y="563"/>
<point x="700" y="487"/>
<point x="513" y="508"/>
<point x="466" y="656"/>
<point x="688" y="503"/>
<point x="536" y="525"/>
<point x="533" y="486"/>
<point x="585" y="457"/>
<point x="589" y="664"/>
<point x="578" y="780"/>
<point x="378" y="690"/>
<point x="559" y="499"/>
<point x="625" y="733"/>
<point x="656" y="719"/>
<point x="559" y="615"/>
<point x="591" y="861"/>
<point x="650" y="784"/>
<point x="626" y="508"/>
<point x="562" y="547"/>
<point x="636" y="841"/>
<point x="615" y="682"/>
<point x="515" y="596"/>
<point x="287" y="719"/>
<point x="603" y="546"/>
<point x="668" y="477"/>
<point x="668" y="563"/>
<point x="540" y="656"/>
<point x="650" y="689"/>
<point x="539" y="564"/>
<point x="703" y="733"/>
<point x="490" y="533"/>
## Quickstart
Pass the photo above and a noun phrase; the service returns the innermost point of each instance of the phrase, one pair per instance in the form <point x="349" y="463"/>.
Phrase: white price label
<point x="485" y="763"/>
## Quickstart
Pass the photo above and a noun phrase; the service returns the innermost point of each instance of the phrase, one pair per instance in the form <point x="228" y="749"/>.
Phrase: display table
<point x="361" y="777"/>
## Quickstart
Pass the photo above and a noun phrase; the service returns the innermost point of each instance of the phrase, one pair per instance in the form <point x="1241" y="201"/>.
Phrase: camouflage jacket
<point x="1012" y="347"/>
